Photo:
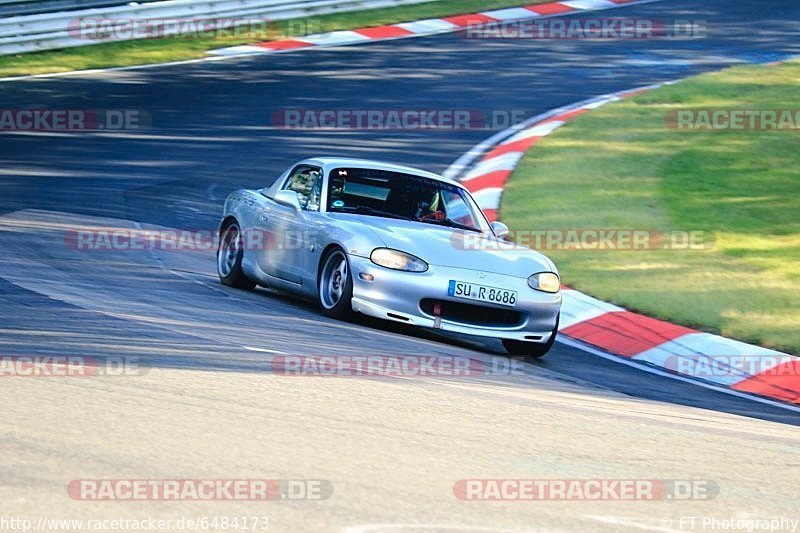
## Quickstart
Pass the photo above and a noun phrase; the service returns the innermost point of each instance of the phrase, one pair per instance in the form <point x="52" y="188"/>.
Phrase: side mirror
<point x="499" y="229"/>
<point x="288" y="198"/>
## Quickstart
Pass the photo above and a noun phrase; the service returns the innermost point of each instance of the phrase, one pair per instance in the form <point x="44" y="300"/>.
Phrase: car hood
<point x="449" y="247"/>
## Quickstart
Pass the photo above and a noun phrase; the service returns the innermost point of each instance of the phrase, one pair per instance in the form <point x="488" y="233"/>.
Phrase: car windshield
<point x="396" y="195"/>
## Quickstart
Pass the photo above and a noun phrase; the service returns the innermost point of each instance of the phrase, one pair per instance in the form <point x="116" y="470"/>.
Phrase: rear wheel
<point x="229" y="258"/>
<point x="532" y="350"/>
<point x="335" y="287"/>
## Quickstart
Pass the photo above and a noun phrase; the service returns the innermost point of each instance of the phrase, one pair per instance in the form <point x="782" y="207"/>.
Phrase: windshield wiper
<point x="450" y="223"/>
<point x="364" y="210"/>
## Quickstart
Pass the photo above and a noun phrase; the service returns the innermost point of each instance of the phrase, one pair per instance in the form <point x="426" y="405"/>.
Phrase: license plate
<point x="481" y="293"/>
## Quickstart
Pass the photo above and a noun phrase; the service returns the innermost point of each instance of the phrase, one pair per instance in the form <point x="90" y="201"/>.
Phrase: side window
<point x="307" y="183"/>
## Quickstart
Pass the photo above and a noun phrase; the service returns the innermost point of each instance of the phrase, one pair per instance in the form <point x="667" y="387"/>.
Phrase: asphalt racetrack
<point x="392" y="449"/>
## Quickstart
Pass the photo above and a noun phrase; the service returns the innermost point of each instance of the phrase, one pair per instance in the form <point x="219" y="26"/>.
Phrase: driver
<point x="433" y="210"/>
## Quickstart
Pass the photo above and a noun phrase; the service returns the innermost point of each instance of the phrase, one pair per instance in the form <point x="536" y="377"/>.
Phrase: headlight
<point x="397" y="260"/>
<point x="545" y="281"/>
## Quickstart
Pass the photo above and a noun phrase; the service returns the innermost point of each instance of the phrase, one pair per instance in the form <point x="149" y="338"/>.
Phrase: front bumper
<point x="396" y="296"/>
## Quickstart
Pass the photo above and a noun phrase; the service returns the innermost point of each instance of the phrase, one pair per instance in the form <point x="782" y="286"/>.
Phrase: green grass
<point x="621" y="167"/>
<point x="149" y="51"/>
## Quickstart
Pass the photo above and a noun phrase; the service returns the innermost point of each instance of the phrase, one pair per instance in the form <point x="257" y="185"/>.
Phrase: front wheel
<point x="335" y="287"/>
<point x="229" y="258"/>
<point x="532" y="350"/>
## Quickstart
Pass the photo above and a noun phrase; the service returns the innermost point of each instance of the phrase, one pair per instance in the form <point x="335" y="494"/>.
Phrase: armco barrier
<point x="9" y="8"/>
<point x="49" y="31"/>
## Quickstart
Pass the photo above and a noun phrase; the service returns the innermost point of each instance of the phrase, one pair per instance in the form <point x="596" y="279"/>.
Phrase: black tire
<point x="335" y="285"/>
<point x="531" y="350"/>
<point x="229" y="258"/>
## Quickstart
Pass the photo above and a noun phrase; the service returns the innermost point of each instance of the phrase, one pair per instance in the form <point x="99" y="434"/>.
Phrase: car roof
<point x="333" y="162"/>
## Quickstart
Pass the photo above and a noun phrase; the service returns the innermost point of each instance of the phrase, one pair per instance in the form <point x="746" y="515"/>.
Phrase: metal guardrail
<point x="10" y="8"/>
<point x="49" y="31"/>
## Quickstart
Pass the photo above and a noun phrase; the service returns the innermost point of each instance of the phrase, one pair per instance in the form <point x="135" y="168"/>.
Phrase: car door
<point x="287" y="230"/>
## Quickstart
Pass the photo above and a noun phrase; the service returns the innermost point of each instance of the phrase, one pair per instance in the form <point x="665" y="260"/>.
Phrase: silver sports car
<point x="392" y="242"/>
